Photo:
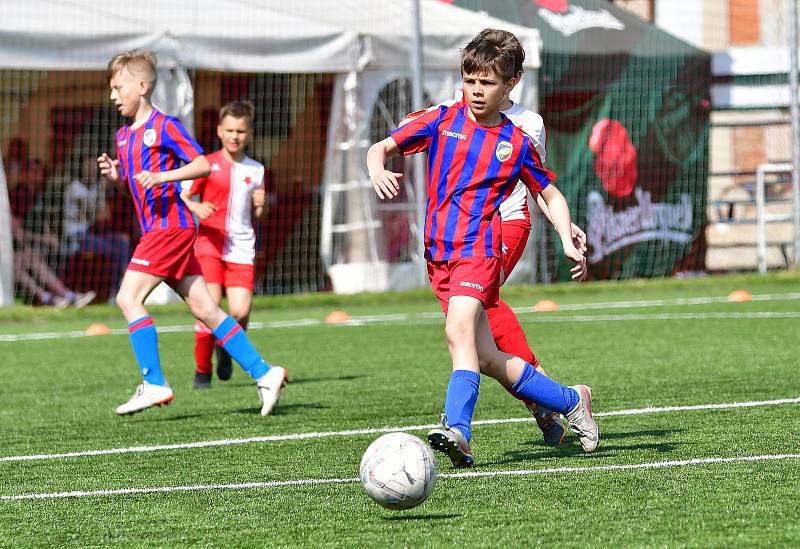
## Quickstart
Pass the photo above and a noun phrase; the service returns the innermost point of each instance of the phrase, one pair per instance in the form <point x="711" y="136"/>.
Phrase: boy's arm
<point x="200" y="209"/>
<point x="578" y="236"/>
<point x="195" y="169"/>
<point x="559" y="213"/>
<point x="385" y="182"/>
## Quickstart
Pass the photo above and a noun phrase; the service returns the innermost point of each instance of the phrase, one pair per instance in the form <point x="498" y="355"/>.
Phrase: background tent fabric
<point x="365" y="43"/>
<point x="627" y="111"/>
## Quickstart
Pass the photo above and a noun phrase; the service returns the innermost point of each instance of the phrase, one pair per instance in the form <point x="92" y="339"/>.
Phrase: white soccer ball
<point x="398" y="471"/>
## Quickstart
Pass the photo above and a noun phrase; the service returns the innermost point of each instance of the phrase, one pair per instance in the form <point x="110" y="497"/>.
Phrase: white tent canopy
<point x="300" y="36"/>
<point x="366" y="42"/>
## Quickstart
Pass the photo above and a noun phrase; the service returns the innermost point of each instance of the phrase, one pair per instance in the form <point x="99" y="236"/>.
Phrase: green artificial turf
<point x="58" y="395"/>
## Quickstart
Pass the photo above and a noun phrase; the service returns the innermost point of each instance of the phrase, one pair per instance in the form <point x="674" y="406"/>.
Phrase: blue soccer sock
<point x="459" y="404"/>
<point x="538" y="388"/>
<point x="234" y="340"/>
<point x="144" y="341"/>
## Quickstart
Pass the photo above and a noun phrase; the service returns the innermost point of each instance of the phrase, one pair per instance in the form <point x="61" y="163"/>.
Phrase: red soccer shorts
<point x="515" y="237"/>
<point x="227" y="274"/>
<point x="166" y="253"/>
<point x="477" y="277"/>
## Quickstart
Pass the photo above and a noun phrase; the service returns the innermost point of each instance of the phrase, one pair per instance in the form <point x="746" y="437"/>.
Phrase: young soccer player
<point x="226" y="243"/>
<point x="476" y="156"/>
<point x="150" y="151"/>
<point x="516" y="227"/>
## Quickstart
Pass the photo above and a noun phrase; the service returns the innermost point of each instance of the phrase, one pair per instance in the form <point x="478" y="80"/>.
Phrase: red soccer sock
<point x="203" y="348"/>
<point x="508" y="334"/>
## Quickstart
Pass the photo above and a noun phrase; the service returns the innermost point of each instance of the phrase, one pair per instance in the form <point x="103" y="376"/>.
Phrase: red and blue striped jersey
<point x="159" y="145"/>
<point x="471" y="170"/>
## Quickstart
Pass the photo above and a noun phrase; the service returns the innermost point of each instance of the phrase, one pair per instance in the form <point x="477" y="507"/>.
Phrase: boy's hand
<point x="579" y="271"/>
<point x="202" y="210"/>
<point x="259" y="198"/>
<point x="109" y="168"/>
<point x="578" y="238"/>
<point x="148" y="180"/>
<point x="386" y="183"/>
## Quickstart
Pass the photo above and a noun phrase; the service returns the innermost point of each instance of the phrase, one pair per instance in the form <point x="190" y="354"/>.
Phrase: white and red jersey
<point x="228" y="232"/>
<point x="516" y="205"/>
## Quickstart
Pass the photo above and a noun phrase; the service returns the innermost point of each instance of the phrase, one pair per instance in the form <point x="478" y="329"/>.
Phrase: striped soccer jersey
<point x="228" y="232"/>
<point x="471" y="170"/>
<point x="160" y="144"/>
<point x="516" y="205"/>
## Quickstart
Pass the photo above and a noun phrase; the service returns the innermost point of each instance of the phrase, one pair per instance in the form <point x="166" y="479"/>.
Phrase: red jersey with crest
<point x="471" y="170"/>
<point x="228" y="232"/>
<point x="159" y="145"/>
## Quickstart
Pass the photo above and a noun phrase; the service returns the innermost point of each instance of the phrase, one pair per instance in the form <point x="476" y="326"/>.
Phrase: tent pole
<point x="795" y="113"/>
<point x="419" y="160"/>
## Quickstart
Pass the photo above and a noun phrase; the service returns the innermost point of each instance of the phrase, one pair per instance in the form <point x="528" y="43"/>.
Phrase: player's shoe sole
<point x="146" y="396"/>
<point x="270" y="387"/>
<point x="224" y="364"/>
<point x="452" y="443"/>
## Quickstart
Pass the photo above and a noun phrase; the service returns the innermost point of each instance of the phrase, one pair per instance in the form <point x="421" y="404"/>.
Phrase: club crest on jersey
<point x="149" y="137"/>
<point x="503" y="151"/>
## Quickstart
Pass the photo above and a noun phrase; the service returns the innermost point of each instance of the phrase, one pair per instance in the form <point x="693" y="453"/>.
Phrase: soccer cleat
<point x="202" y="381"/>
<point x="451" y="442"/>
<point x="83" y="299"/>
<point x="146" y="396"/>
<point x="581" y="422"/>
<point x="550" y="422"/>
<point x="224" y="364"/>
<point x="270" y="386"/>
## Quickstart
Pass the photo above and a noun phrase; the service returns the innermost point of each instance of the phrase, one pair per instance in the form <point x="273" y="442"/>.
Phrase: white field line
<point x="369" y="431"/>
<point x="468" y="474"/>
<point x="421" y="318"/>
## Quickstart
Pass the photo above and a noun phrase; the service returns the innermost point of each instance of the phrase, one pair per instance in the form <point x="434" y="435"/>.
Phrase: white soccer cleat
<point x="581" y="422"/>
<point x="146" y="396"/>
<point x="270" y="386"/>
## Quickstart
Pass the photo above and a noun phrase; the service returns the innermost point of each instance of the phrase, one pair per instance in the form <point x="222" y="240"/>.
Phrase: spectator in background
<point x="31" y="271"/>
<point x="86" y="223"/>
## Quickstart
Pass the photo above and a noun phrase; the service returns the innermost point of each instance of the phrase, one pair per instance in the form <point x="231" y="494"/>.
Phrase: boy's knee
<point x="458" y="331"/>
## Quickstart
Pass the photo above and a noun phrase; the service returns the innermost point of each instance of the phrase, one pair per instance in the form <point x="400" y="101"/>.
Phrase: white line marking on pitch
<point x="355" y="432"/>
<point x="437" y="316"/>
<point x="468" y="474"/>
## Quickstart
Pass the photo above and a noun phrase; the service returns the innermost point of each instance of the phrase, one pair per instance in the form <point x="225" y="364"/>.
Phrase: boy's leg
<point x="270" y="380"/>
<point x="510" y="338"/>
<point x="204" y="345"/>
<point x="462" y="390"/>
<point x="239" y="302"/>
<point x="521" y="377"/>
<point x="154" y="391"/>
<point x="508" y="333"/>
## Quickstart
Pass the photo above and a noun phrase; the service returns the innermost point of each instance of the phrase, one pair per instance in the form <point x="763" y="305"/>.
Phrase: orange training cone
<point x="740" y="296"/>
<point x="337" y="316"/>
<point x="546" y="306"/>
<point x="97" y="330"/>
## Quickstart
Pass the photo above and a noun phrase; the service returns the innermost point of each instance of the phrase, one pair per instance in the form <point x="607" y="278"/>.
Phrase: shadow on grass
<point x="282" y="409"/>
<point x="244" y="382"/>
<point x="438" y="516"/>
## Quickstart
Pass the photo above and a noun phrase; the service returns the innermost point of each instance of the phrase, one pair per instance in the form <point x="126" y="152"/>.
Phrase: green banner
<point x="626" y="108"/>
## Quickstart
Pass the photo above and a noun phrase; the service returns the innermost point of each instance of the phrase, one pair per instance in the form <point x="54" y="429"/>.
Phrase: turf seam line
<point x="369" y="431"/>
<point x="467" y="474"/>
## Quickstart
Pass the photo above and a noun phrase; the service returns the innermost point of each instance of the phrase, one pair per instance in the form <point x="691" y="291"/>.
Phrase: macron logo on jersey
<point x="473" y="285"/>
<point x="448" y="133"/>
